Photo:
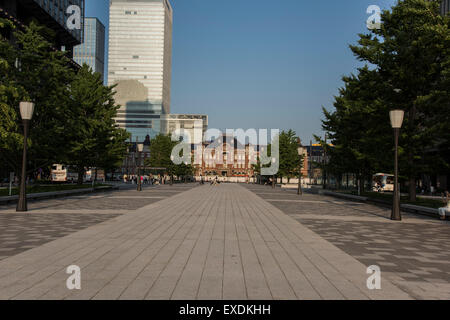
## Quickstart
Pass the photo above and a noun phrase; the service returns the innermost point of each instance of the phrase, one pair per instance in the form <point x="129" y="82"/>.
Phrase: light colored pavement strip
<point x="313" y="201"/>
<point x="137" y="197"/>
<point x="356" y="218"/>
<point x="69" y="211"/>
<point x="219" y="242"/>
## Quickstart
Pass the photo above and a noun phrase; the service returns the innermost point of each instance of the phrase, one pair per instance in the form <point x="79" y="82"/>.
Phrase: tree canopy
<point x="73" y="121"/>
<point x="407" y="67"/>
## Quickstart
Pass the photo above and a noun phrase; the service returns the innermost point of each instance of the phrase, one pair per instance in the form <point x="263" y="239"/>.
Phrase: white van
<point x="382" y="182"/>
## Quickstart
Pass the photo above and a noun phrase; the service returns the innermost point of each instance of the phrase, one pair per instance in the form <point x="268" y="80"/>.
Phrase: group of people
<point x="214" y="182"/>
<point x="150" y="180"/>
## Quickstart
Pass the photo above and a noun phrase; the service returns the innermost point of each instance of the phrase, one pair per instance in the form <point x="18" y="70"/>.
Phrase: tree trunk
<point x="80" y="175"/>
<point x="95" y="176"/>
<point x="360" y="184"/>
<point x="412" y="189"/>
<point x="412" y="178"/>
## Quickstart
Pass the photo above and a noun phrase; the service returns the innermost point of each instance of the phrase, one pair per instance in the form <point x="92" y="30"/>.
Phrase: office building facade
<point x="92" y="50"/>
<point x="225" y="157"/>
<point x="445" y="7"/>
<point x="140" y="63"/>
<point x="192" y="124"/>
<point x="50" y="13"/>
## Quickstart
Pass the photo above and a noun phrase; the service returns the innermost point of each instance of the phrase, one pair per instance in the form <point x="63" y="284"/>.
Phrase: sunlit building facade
<point x="195" y="126"/>
<point x="140" y="63"/>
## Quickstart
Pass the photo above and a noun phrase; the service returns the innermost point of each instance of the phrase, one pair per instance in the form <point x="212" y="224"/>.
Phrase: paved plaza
<point x="413" y="253"/>
<point x="233" y="242"/>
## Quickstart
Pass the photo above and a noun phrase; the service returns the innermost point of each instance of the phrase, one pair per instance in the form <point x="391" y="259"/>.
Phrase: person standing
<point x="445" y="211"/>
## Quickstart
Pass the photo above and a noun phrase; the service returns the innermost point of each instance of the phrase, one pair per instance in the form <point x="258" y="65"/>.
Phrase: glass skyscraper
<point x="140" y="63"/>
<point x="92" y="50"/>
<point x="445" y="6"/>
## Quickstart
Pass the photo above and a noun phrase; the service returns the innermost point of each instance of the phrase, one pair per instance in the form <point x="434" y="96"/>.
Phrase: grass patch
<point x="387" y="197"/>
<point x="49" y="188"/>
<point x="430" y="203"/>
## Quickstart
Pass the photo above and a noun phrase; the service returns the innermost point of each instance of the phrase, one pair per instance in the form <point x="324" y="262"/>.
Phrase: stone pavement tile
<point x="149" y="247"/>
<point x="151" y="271"/>
<point x="276" y="280"/>
<point x="189" y="282"/>
<point x="207" y="243"/>
<point x="165" y="284"/>
<point x="321" y="285"/>
<point x="23" y="231"/>
<point x="211" y="283"/>
<point x="255" y="280"/>
<point x="422" y="247"/>
<point x="341" y="285"/>
<point x="233" y="281"/>
<point x="140" y="286"/>
<point x="59" y="262"/>
<point x="299" y="283"/>
<point x="349" y="268"/>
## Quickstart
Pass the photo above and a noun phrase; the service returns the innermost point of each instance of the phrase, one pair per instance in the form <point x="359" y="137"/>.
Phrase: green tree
<point x="358" y="128"/>
<point x="408" y="62"/>
<point x="95" y="141"/>
<point x="289" y="158"/>
<point x="32" y="70"/>
<point x="10" y="136"/>
<point x="409" y="57"/>
<point x="160" y="151"/>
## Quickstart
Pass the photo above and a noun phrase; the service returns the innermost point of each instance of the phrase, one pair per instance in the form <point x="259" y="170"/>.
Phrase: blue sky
<point x="260" y="63"/>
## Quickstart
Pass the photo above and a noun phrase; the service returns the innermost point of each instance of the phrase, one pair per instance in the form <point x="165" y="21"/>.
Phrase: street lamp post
<point x="140" y="148"/>
<point x="144" y="174"/>
<point x="273" y="179"/>
<point x="396" y="123"/>
<point x="261" y="150"/>
<point x="171" y="173"/>
<point x="26" y="112"/>
<point x="324" y="174"/>
<point x="300" y="153"/>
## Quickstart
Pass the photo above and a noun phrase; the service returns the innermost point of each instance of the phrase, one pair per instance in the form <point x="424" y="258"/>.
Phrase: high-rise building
<point x="92" y="50"/>
<point x="50" y="13"/>
<point x="192" y="124"/>
<point x="445" y="6"/>
<point x="140" y="63"/>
